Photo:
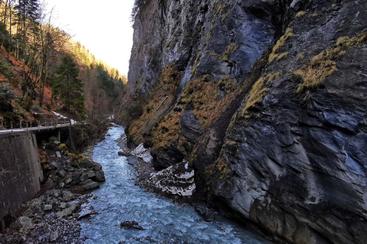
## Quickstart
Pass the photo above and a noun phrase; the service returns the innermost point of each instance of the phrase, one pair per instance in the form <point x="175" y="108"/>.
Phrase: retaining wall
<point x="20" y="171"/>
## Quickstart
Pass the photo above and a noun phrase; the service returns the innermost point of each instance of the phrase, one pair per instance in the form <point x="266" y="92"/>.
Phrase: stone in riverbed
<point x="122" y="154"/>
<point x="132" y="225"/>
<point x="87" y="214"/>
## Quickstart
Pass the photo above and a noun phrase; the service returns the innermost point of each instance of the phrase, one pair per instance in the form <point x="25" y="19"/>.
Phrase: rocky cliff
<point x="267" y="100"/>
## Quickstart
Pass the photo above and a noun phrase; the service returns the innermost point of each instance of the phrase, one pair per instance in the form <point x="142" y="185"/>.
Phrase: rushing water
<point x="119" y="199"/>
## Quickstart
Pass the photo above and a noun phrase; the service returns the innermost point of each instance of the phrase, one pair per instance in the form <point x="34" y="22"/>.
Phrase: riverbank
<point x="176" y="183"/>
<point x="127" y="213"/>
<point x="53" y="215"/>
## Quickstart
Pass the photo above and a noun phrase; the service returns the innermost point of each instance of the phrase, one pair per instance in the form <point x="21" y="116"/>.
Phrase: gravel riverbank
<point x="53" y="216"/>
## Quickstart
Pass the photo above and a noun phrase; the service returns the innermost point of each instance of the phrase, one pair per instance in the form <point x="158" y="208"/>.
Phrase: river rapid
<point x="164" y="221"/>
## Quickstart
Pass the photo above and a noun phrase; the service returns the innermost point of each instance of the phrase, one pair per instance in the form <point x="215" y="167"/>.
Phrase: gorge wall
<point x="20" y="171"/>
<point x="267" y="100"/>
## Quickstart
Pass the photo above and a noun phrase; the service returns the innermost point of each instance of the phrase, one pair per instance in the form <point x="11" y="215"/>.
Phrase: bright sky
<point x="104" y="27"/>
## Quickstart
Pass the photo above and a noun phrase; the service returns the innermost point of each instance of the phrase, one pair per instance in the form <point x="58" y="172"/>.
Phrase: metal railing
<point x="39" y="125"/>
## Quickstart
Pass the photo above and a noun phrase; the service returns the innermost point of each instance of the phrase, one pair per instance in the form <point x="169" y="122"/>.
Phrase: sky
<point x="103" y="26"/>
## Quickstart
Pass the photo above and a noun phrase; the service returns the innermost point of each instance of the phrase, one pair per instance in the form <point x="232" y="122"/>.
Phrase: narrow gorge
<point x="240" y="121"/>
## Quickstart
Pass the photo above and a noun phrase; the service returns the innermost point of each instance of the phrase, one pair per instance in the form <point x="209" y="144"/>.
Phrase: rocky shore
<point x="176" y="182"/>
<point x="53" y="216"/>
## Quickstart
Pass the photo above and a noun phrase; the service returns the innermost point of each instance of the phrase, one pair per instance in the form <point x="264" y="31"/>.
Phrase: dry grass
<point x="258" y="91"/>
<point x="167" y="130"/>
<point x="300" y="14"/>
<point x="323" y="65"/>
<point x="161" y="96"/>
<point x="276" y="55"/>
<point x="204" y="96"/>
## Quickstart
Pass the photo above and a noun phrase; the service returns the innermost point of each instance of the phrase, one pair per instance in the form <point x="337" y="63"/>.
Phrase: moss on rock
<point x="323" y="64"/>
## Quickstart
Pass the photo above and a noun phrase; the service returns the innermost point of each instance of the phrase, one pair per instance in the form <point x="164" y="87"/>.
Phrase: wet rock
<point x="205" y="212"/>
<point x="87" y="214"/>
<point x="99" y="177"/>
<point x="131" y="225"/>
<point x="89" y="185"/>
<point x="26" y="223"/>
<point x="123" y="154"/>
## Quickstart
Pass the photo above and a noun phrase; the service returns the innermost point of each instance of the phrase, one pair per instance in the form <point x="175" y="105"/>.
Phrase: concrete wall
<point x="20" y="171"/>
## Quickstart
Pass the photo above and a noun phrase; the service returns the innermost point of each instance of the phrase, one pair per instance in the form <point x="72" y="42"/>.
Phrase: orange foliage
<point x="208" y="100"/>
<point x="162" y="97"/>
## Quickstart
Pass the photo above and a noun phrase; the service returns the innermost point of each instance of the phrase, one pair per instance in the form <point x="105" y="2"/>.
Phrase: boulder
<point x="26" y="223"/>
<point x="123" y="154"/>
<point x="89" y="185"/>
<point x="133" y="225"/>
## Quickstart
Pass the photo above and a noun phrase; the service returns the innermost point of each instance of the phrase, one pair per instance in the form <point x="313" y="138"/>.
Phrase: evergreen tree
<point x="28" y="15"/>
<point x="68" y="88"/>
<point x="28" y="10"/>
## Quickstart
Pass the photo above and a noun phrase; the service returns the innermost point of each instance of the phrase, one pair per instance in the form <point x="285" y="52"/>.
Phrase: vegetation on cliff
<point x="268" y="104"/>
<point x="34" y="56"/>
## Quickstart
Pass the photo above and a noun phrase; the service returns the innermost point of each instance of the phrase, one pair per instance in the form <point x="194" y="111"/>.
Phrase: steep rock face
<point x="296" y="161"/>
<point x="190" y="57"/>
<point x="267" y="100"/>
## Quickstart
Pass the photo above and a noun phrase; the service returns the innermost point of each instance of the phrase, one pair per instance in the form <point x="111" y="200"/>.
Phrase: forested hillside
<point x="43" y="70"/>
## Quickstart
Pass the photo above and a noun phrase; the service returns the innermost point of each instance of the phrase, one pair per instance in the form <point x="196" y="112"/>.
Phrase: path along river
<point x="164" y="221"/>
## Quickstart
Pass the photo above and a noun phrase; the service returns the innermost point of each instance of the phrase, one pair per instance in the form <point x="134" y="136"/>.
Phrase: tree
<point x="68" y="88"/>
<point x="28" y="15"/>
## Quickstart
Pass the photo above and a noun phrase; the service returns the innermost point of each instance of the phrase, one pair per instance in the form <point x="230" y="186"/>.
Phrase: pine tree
<point x="68" y="88"/>
<point x="28" y="10"/>
<point x="28" y="15"/>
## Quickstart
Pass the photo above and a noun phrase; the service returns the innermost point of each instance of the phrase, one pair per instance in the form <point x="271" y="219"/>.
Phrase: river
<point x="164" y="221"/>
